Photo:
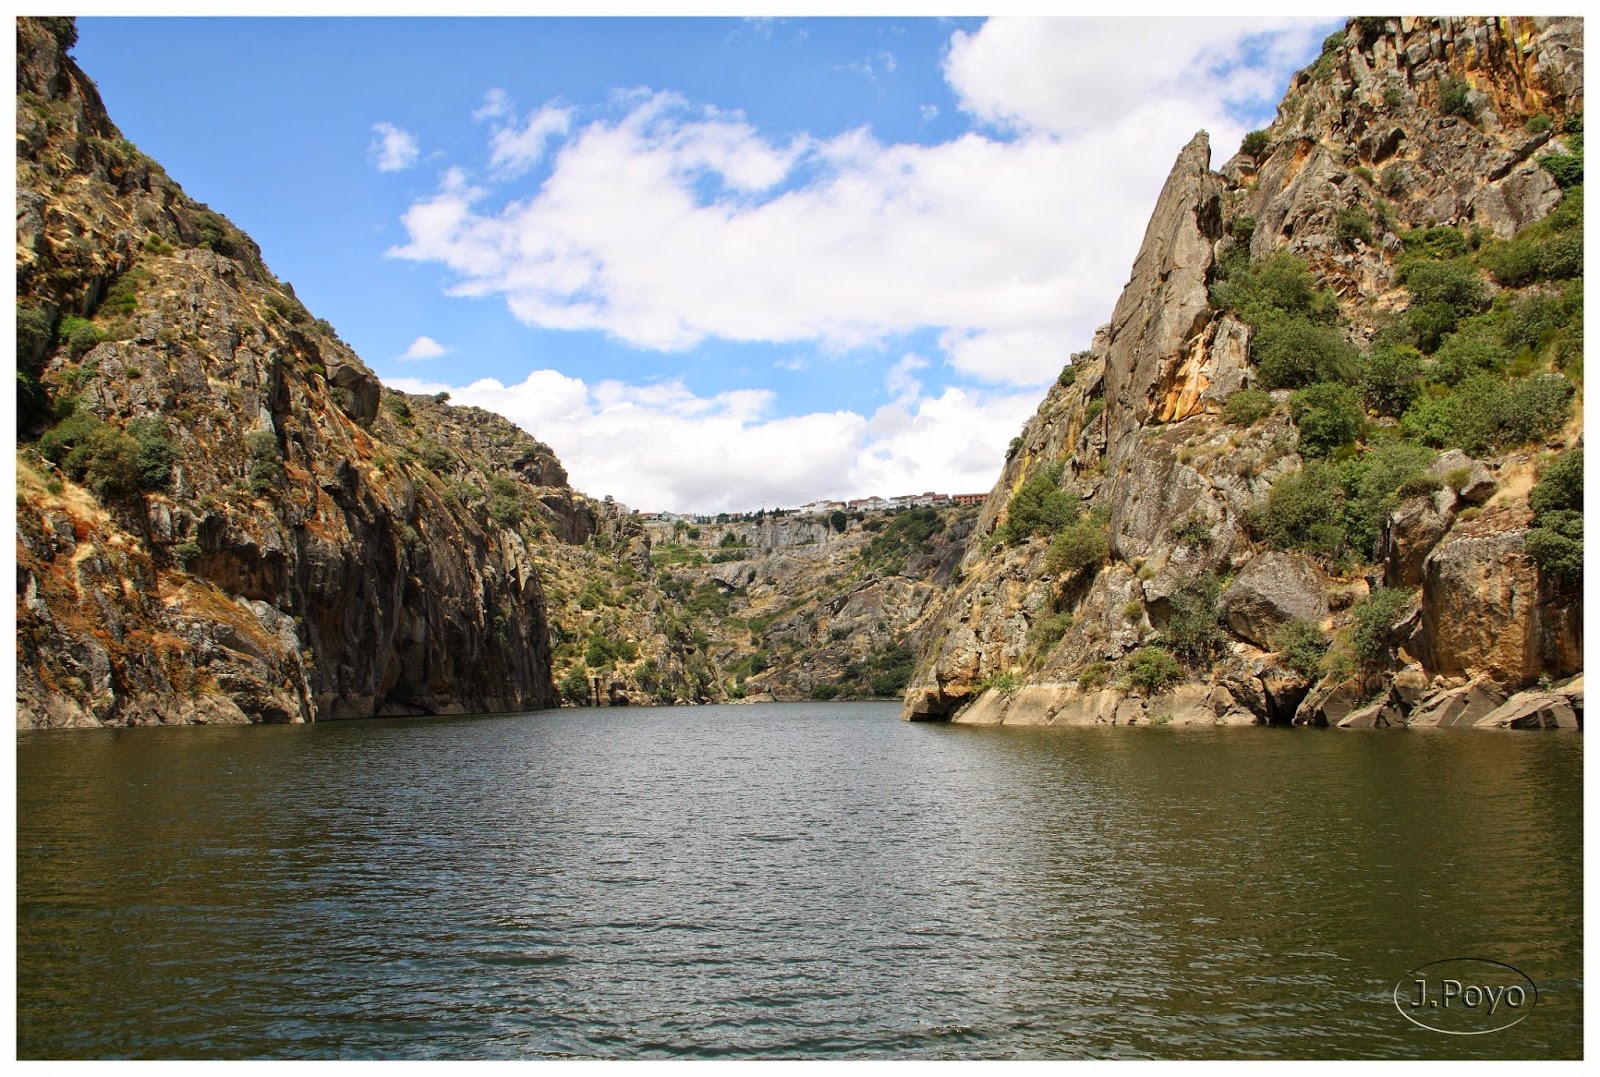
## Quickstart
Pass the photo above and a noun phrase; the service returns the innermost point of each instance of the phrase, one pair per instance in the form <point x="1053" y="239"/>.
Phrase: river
<point x="784" y="881"/>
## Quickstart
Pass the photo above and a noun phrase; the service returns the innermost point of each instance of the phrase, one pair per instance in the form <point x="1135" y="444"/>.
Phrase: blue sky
<point x="715" y="263"/>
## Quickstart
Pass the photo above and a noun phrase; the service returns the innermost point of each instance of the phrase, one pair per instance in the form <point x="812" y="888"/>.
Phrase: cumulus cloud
<point x="514" y="150"/>
<point x="393" y="149"/>
<point x="424" y="348"/>
<point x="1010" y="71"/>
<point x="670" y="224"/>
<point x="660" y="446"/>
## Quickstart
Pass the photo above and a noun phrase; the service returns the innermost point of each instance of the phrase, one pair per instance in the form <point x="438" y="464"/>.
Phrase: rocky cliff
<point x="222" y="516"/>
<point x="1323" y="465"/>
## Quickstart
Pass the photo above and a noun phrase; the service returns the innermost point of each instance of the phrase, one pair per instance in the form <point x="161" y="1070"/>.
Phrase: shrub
<point x="1068" y="375"/>
<point x="435" y="457"/>
<point x="1390" y="379"/>
<point x="1094" y="676"/>
<point x="1293" y="352"/>
<point x="1535" y="124"/>
<point x="575" y="687"/>
<point x="838" y="520"/>
<point x="1372" y="483"/>
<point x="1304" y="510"/>
<point x="1300" y="645"/>
<point x="1440" y="241"/>
<point x="1193" y="530"/>
<point x="1372" y="622"/>
<point x="1394" y="180"/>
<point x="1039" y="506"/>
<point x="1473" y="349"/>
<point x="1277" y="285"/>
<point x="187" y="553"/>
<point x="1151" y="669"/>
<point x="1078" y="546"/>
<point x="1558" y="549"/>
<point x="1328" y="415"/>
<point x="1455" y="99"/>
<point x="1484" y="413"/>
<point x="1255" y="143"/>
<point x="1560" y="486"/>
<point x="156" y="451"/>
<point x="33" y="337"/>
<point x="1565" y="168"/>
<point x="396" y="405"/>
<point x="1247" y="407"/>
<point x="1092" y="412"/>
<point x="1194" y="628"/>
<point x="1242" y="228"/>
<point x="82" y="338"/>
<point x="1044" y="635"/>
<point x="1353" y="223"/>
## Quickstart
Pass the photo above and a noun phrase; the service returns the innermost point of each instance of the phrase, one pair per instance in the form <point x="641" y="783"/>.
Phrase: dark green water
<point x="791" y="881"/>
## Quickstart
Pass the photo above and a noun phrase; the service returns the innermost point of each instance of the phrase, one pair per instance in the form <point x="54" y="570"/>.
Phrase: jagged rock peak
<point x="1164" y="307"/>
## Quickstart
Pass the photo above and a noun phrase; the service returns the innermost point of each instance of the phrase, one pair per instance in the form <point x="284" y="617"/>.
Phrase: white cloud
<point x="1010" y="71"/>
<point x="513" y="150"/>
<point x="393" y="149"/>
<point x="496" y="106"/>
<point x="929" y="113"/>
<point x="659" y="446"/>
<point x="671" y="224"/>
<point x="425" y="348"/>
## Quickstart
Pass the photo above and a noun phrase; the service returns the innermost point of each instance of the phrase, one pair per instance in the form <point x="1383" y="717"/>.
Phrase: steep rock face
<point x="221" y="523"/>
<point x="1136" y="420"/>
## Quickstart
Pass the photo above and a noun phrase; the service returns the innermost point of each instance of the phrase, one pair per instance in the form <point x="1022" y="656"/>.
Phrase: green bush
<point x="82" y="338"/>
<point x="1454" y="99"/>
<point x="1372" y="484"/>
<point x="435" y="457"/>
<point x="1279" y="284"/>
<point x="1078" y="546"/>
<point x="1304" y="510"/>
<point x="396" y="405"/>
<point x="1394" y="180"/>
<point x="1039" y="506"/>
<point x="1558" y="549"/>
<point x="838" y="520"/>
<point x="1293" y="352"/>
<point x="187" y="553"/>
<point x="1372" y="624"/>
<point x="1193" y="630"/>
<point x="1353" y="223"/>
<point x="575" y="687"/>
<point x="1300" y="645"/>
<point x="33" y="338"/>
<point x="1255" y="143"/>
<point x="1560" y="485"/>
<point x="156" y="451"/>
<point x="1043" y="636"/>
<point x="1328" y="416"/>
<point x="1565" y="168"/>
<point x="1247" y="407"/>
<point x="1535" y="124"/>
<point x="1475" y="348"/>
<point x="1484" y="413"/>
<point x="1094" y="676"/>
<point x="1151" y="669"/>
<point x="1390" y="379"/>
<point x="1439" y="241"/>
<point x="1555" y="542"/>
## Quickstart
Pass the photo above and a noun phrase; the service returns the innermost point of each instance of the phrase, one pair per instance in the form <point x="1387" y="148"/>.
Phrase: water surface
<point x="784" y="880"/>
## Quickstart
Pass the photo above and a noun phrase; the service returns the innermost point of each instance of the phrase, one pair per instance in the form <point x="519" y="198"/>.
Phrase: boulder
<point x="1410" y="533"/>
<point x="1479" y="483"/>
<point x="1485" y="609"/>
<point x="1329" y="703"/>
<point x="1532" y="710"/>
<point x="1273" y="589"/>
<point x="1380" y="714"/>
<point x="1460" y="706"/>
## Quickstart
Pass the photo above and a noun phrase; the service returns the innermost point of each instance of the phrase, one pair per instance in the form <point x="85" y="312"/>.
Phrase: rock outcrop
<point x="1404" y="132"/>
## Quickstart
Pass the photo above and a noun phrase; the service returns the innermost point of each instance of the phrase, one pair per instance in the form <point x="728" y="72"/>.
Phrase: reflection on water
<point x="785" y="881"/>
